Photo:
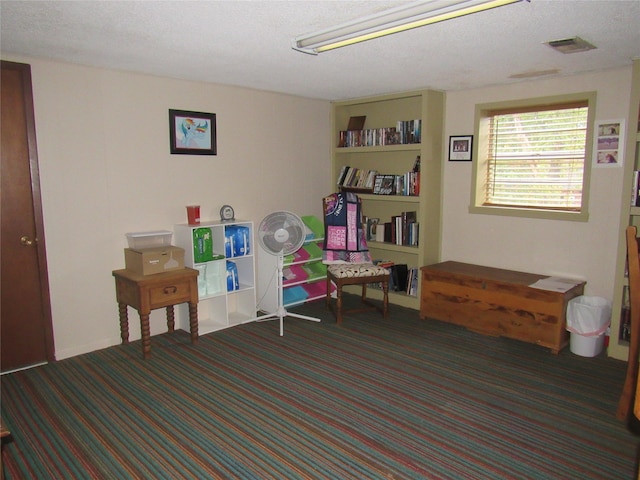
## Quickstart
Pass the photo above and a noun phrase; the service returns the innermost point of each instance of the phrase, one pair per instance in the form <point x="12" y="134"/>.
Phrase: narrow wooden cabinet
<point x="223" y="254"/>
<point x="618" y="345"/>
<point x="392" y="157"/>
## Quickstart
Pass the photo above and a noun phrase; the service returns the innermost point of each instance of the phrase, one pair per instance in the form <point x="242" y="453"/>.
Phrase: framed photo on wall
<point x="608" y="148"/>
<point x="192" y="133"/>
<point x="460" y="148"/>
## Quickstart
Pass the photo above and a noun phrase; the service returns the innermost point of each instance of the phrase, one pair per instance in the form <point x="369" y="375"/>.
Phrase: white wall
<point x="105" y="169"/>
<point x="585" y="250"/>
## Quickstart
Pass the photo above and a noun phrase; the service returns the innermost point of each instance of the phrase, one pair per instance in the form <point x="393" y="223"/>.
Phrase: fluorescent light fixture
<point x="399" y="19"/>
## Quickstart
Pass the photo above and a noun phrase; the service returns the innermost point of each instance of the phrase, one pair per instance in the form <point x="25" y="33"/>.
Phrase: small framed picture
<point x="608" y="143"/>
<point x="192" y="133"/>
<point x="460" y="148"/>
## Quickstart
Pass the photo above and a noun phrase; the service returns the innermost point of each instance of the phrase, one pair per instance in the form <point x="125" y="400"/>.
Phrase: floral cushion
<point x="356" y="270"/>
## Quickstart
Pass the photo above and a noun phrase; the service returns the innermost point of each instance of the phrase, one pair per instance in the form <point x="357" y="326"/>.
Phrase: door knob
<point x="26" y="241"/>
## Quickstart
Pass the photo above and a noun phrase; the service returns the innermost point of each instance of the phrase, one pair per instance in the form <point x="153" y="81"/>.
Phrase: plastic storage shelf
<point x="304" y="273"/>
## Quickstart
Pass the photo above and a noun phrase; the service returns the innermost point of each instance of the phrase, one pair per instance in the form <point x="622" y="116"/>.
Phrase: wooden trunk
<point x="496" y="302"/>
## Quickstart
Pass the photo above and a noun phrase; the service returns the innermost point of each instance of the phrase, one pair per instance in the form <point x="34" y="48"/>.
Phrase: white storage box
<point x="158" y="238"/>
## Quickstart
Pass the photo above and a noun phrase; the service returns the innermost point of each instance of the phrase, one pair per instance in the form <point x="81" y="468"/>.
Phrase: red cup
<point x="193" y="214"/>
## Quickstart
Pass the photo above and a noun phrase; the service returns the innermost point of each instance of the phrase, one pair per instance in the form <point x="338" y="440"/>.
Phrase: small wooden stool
<point x="357" y="274"/>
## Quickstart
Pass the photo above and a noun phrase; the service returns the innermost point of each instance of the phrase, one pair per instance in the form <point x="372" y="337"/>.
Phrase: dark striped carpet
<point x="373" y="399"/>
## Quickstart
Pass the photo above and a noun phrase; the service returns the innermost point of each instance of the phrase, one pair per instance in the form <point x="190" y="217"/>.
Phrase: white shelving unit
<point x="304" y="273"/>
<point x="219" y="308"/>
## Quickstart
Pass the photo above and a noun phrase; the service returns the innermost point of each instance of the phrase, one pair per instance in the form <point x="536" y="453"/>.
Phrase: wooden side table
<point x="149" y="292"/>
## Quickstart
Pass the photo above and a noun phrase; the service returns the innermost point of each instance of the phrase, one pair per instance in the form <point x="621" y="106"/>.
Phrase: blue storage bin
<point x="237" y="241"/>
<point x="295" y="294"/>
<point x="232" y="277"/>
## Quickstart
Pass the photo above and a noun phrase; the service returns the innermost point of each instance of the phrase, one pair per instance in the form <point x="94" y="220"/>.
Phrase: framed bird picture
<point x="192" y="133"/>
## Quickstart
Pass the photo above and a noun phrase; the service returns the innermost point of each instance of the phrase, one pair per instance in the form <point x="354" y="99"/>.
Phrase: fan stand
<point x="282" y="312"/>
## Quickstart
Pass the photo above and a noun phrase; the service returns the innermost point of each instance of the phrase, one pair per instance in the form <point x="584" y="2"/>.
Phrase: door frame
<point x="36" y="197"/>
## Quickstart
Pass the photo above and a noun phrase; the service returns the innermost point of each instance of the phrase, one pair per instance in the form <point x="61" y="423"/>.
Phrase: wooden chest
<point x="496" y="302"/>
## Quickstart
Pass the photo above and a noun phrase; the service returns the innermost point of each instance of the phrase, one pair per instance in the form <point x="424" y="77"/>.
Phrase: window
<point x="532" y="158"/>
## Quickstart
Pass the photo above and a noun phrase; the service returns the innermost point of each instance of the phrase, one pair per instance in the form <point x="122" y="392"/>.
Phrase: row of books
<point x="635" y="189"/>
<point x="352" y="177"/>
<point x="405" y="132"/>
<point x="407" y="184"/>
<point x="403" y="229"/>
<point x="402" y="278"/>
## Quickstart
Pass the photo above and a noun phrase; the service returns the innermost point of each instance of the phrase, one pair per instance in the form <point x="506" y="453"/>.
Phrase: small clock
<point x="227" y="214"/>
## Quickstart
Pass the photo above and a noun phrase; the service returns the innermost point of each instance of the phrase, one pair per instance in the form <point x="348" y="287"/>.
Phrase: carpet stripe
<point x="372" y="399"/>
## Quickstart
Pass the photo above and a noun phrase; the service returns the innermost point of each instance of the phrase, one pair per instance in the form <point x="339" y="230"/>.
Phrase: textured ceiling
<point x="248" y="43"/>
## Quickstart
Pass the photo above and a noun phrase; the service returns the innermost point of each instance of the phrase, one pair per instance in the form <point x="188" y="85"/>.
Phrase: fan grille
<point x="281" y="233"/>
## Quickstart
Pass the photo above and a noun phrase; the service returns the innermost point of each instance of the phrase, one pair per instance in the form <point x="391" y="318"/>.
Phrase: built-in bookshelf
<point x="402" y="155"/>
<point x="403" y="133"/>
<point x="619" y="332"/>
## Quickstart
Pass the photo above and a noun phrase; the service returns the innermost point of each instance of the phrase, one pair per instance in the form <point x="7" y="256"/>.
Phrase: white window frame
<point x="480" y="163"/>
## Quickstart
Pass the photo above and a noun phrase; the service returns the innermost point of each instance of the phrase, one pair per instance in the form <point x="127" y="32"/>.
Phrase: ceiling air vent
<point x="571" y="45"/>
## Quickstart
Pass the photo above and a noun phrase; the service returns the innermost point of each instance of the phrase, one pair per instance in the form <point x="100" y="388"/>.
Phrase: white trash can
<point x="586" y="346"/>
<point x="587" y="320"/>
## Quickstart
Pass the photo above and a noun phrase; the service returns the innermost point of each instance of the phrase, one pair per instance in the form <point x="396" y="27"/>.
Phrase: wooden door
<point x="26" y="334"/>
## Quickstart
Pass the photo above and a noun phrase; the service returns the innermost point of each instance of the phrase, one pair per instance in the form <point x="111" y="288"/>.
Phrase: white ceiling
<point x="248" y="43"/>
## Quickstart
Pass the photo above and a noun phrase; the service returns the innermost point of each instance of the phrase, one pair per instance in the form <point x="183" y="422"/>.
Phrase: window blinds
<point x="536" y="157"/>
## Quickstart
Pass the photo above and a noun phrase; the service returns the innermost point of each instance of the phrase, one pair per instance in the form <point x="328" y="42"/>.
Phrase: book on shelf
<point x="387" y="232"/>
<point x="625" y="317"/>
<point x="356" y="123"/>
<point x="415" y="180"/>
<point x="399" y="274"/>
<point x="384" y="185"/>
<point x="410" y="131"/>
<point x="392" y="137"/>
<point x="402" y="279"/>
<point x="402" y="229"/>
<point x="412" y="282"/>
<point x="407" y="184"/>
<point x="416" y="165"/>
<point x="396" y="229"/>
<point x="635" y="189"/>
<point x="341" y="175"/>
<point x="408" y="222"/>
<point x="356" y="178"/>
<point x="372" y="228"/>
<point x="348" y="176"/>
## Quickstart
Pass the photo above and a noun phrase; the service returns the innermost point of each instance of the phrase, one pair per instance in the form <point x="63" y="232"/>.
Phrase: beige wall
<point x="105" y="169"/>
<point x="584" y="250"/>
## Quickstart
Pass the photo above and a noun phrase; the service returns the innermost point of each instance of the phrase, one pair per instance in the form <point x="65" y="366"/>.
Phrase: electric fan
<point x="280" y="234"/>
